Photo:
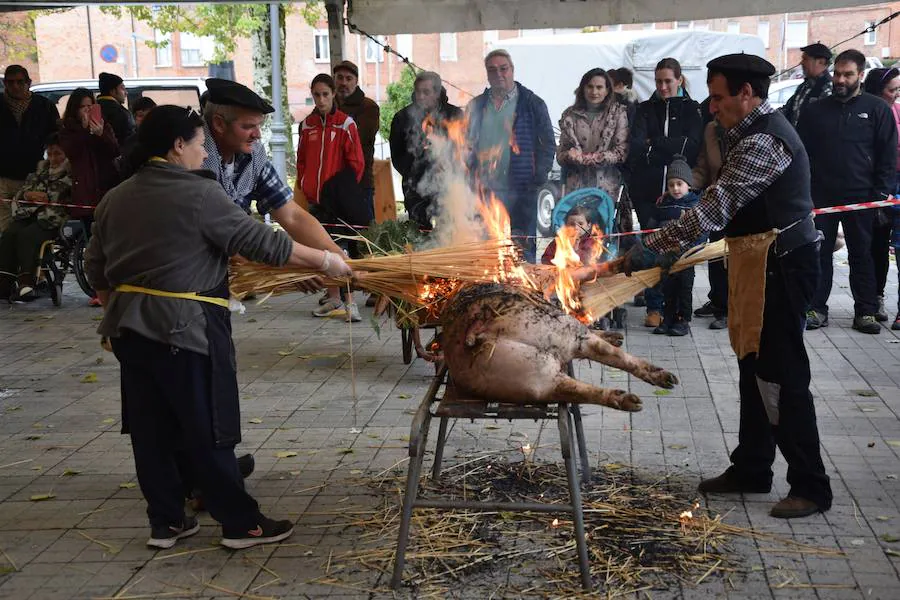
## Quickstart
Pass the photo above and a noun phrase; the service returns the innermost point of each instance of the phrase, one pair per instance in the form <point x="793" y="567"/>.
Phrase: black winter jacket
<point x="652" y="150"/>
<point x="410" y="155"/>
<point x="22" y="145"/>
<point x="852" y="148"/>
<point x="118" y="117"/>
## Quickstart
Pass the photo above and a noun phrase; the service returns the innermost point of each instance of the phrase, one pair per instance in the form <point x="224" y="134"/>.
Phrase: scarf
<point x="18" y="107"/>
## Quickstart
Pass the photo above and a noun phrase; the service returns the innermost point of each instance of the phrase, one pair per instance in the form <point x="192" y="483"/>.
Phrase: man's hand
<point x="640" y="258"/>
<point x="333" y="266"/>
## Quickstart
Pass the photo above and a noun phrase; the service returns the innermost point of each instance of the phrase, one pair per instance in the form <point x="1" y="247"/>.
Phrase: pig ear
<point x="475" y="333"/>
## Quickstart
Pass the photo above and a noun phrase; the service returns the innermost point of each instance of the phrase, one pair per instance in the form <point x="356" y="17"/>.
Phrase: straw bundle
<point x="604" y="294"/>
<point x="401" y="276"/>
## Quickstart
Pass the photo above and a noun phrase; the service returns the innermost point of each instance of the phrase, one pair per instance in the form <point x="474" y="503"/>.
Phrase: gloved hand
<point x="334" y="266"/>
<point x="640" y="258"/>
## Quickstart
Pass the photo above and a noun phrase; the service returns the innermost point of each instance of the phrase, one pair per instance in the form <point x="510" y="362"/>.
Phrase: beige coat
<point x="601" y="144"/>
<point x="709" y="161"/>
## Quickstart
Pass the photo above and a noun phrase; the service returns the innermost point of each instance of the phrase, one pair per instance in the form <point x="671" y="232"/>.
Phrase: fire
<point x="497" y="226"/>
<point x="555" y="523"/>
<point x="686" y="518"/>
<point x="567" y="260"/>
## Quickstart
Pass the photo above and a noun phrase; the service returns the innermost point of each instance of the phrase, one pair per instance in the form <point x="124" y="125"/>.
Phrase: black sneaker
<point x="866" y="324"/>
<point x="267" y="531"/>
<point x="707" y="310"/>
<point x="720" y="323"/>
<point x="815" y="320"/>
<point x="165" y="536"/>
<point x="679" y="329"/>
<point x="246" y="464"/>
<point x="639" y="300"/>
<point x="661" y="329"/>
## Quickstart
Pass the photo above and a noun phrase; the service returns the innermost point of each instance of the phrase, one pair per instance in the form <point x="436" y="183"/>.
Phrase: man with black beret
<point x="112" y="100"/>
<point x="233" y="114"/>
<point x="814" y="62"/>
<point x="762" y="201"/>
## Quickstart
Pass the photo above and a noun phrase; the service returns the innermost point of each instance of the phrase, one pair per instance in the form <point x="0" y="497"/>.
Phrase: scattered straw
<point x="9" y="559"/>
<point x="185" y="553"/>
<point x="109" y="547"/>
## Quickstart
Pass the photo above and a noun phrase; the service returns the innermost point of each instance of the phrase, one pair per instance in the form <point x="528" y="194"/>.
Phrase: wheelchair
<point x="61" y="255"/>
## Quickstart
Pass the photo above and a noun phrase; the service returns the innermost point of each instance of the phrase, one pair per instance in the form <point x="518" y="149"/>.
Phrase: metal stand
<point x="451" y="406"/>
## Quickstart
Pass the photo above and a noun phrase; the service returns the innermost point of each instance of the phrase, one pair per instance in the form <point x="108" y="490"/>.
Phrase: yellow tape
<point x="181" y="295"/>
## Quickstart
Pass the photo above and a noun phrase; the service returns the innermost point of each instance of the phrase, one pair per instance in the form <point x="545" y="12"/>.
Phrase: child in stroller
<point x="583" y="209"/>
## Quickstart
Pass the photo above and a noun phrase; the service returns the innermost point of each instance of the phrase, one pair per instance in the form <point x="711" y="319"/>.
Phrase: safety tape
<point x="886" y="203"/>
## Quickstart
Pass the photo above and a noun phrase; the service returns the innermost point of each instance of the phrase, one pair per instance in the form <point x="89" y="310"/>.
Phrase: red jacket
<point x="91" y="159"/>
<point x="325" y="148"/>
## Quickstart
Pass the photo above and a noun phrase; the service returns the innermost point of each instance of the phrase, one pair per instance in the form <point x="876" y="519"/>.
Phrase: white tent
<point x="552" y="66"/>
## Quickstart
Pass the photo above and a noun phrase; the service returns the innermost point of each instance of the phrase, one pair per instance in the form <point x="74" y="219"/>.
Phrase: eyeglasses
<point x="494" y="70"/>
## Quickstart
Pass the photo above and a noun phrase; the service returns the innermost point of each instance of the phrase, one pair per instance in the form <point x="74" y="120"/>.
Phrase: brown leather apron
<point x="746" y="256"/>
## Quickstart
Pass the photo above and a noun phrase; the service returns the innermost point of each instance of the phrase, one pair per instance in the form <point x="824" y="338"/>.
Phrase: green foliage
<point x="224" y="23"/>
<point x="393" y="237"/>
<point x="399" y="95"/>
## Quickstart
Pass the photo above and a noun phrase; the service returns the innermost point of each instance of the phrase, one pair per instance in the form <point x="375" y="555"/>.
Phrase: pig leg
<point x="594" y="348"/>
<point x="571" y="390"/>
<point x="611" y="337"/>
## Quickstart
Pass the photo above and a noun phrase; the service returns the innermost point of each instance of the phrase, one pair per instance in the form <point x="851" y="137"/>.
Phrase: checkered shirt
<point x="752" y="164"/>
<point x="254" y="178"/>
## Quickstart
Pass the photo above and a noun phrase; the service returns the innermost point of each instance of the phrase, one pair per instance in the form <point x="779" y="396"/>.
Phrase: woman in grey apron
<point x="158" y="258"/>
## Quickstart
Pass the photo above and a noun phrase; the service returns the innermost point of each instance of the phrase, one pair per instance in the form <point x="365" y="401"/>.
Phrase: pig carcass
<point x="507" y="344"/>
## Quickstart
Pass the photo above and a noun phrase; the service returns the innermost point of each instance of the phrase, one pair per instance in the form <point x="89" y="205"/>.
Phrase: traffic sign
<point x="109" y="53"/>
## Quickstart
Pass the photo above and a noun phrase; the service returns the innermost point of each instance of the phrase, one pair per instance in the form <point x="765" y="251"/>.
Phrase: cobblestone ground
<point x="59" y="424"/>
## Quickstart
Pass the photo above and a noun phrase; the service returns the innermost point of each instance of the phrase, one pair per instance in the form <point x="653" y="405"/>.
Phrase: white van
<point x="181" y="91"/>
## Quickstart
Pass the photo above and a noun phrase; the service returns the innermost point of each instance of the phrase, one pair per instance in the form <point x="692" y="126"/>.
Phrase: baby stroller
<point x="605" y="215"/>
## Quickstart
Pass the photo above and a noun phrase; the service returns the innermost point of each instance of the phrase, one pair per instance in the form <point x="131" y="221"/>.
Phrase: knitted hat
<point x="108" y="82"/>
<point x="679" y="169"/>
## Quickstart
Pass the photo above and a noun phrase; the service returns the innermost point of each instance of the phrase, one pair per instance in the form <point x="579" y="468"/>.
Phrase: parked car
<point x="181" y="91"/>
<point x="781" y="91"/>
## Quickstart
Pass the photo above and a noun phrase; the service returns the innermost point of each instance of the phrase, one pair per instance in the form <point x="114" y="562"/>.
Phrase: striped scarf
<point x="18" y="107"/>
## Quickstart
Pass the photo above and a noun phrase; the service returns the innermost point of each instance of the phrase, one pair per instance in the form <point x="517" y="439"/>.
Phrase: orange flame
<point x="686" y="518"/>
<point x="567" y="260"/>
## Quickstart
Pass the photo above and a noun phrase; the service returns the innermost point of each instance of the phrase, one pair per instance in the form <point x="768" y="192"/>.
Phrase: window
<point x="762" y="32"/>
<point x="448" y="47"/>
<point x="321" y="49"/>
<point x="405" y="45"/>
<point x="374" y="52"/>
<point x="163" y="53"/>
<point x="796" y="34"/>
<point x="734" y="27"/>
<point x="684" y="24"/>
<point x="871" y="37"/>
<point x="196" y="51"/>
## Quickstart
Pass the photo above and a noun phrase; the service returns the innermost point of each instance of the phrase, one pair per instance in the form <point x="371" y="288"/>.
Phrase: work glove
<point x="640" y="258"/>
<point x="333" y="266"/>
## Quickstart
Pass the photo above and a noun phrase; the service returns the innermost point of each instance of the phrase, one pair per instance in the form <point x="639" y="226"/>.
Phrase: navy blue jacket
<point x="533" y="133"/>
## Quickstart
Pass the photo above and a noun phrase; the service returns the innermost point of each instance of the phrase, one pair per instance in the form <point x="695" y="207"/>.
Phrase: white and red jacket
<point x="327" y="145"/>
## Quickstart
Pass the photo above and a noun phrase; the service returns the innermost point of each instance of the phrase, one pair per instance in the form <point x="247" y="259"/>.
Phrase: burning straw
<point x="602" y="295"/>
<point x="641" y="535"/>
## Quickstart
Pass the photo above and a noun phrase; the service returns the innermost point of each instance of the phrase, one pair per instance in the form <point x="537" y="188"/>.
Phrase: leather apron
<point x="747" y="256"/>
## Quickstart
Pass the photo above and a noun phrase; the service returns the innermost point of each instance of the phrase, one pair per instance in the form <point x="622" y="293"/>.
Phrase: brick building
<point x="69" y="44"/>
<point x="15" y="47"/>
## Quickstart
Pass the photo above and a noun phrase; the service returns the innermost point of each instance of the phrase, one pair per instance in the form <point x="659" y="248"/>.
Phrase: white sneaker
<point x="352" y="313"/>
<point x="332" y="308"/>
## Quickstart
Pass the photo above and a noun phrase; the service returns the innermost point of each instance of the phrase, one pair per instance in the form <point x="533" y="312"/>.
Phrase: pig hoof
<point x="662" y="378"/>
<point x="612" y="337"/>
<point x="628" y="402"/>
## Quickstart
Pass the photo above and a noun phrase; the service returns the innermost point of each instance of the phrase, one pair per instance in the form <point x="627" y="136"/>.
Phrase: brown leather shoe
<point x="728" y="483"/>
<point x="654" y="319"/>
<point x="793" y="507"/>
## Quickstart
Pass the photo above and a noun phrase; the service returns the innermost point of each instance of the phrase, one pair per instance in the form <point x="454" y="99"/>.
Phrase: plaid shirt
<point x="254" y="178"/>
<point x="752" y="164"/>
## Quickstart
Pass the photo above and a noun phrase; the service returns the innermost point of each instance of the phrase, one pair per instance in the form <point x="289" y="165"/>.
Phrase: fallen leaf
<point x="89" y="378"/>
<point x="109" y="421"/>
<point x="677" y="446"/>
<point x="374" y="436"/>
<point x="70" y="473"/>
<point x="356" y="471"/>
<point x="97" y="318"/>
<point x="308" y="553"/>
<point x="99" y="360"/>
<point x="285" y="352"/>
<point x="867" y="409"/>
<point x="37" y="468"/>
<point x="894" y="443"/>
<point x="345" y="450"/>
<point x="866" y="393"/>
<point x="256" y="421"/>
<point x="491" y="427"/>
<point x="42" y="497"/>
<point x="890" y="476"/>
<point x="128" y="486"/>
<point x="661" y="392"/>
<point x="882" y="518"/>
<point x="613" y="466"/>
<point x="12" y="408"/>
<point x="404" y="396"/>
<point x="251" y="320"/>
<point x="371" y="359"/>
<point x="891" y="552"/>
<point x="33" y="437"/>
<point x="66" y="347"/>
<point x="890" y="538"/>
<point x="285" y="454"/>
<point x="871" y="444"/>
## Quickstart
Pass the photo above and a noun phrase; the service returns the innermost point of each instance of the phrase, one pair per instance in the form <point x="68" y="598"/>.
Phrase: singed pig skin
<point x="508" y="344"/>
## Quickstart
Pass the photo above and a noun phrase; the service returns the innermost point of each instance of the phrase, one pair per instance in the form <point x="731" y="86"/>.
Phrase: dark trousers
<point x="20" y="244"/>
<point x="678" y="289"/>
<point x="646" y="213"/>
<point x="776" y="404"/>
<point x="167" y="403"/>
<point x="858" y="235"/>
<point x="718" y="281"/>
<point x="881" y="256"/>
<point x="521" y="204"/>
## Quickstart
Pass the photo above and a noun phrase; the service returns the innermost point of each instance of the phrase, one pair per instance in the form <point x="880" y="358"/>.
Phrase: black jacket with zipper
<point x="653" y="148"/>
<point x="852" y="148"/>
<point x="23" y="143"/>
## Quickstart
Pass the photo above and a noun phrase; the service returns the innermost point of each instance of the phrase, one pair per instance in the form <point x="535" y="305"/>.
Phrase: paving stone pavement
<point x="59" y="435"/>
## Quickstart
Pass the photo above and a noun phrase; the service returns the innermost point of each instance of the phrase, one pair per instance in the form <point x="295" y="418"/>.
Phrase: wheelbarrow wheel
<point x="406" y="336"/>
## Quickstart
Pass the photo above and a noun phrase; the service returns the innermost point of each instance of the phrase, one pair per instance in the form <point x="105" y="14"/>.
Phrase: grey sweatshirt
<point x="171" y="229"/>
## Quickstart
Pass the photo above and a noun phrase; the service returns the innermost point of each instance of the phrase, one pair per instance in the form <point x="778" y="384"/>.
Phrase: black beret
<point x="231" y="93"/>
<point x="742" y="63"/>
<point x="817" y="50"/>
<point x="107" y="82"/>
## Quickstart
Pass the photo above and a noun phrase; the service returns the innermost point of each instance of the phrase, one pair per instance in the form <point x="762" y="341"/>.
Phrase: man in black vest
<point x="851" y="139"/>
<point x="816" y="84"/>
<point x="764" y="186"/>
<point x="112" y="100"/>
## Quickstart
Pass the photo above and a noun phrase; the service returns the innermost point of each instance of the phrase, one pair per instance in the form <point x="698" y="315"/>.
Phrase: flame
<point x="686" y="518"/>
<point x="555" y="523"/>
<point x="567" y="260"/>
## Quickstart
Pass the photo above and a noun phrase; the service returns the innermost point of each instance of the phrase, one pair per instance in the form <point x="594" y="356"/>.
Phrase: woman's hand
<point x="95" y="128"/>
<point x="575" y="155"/>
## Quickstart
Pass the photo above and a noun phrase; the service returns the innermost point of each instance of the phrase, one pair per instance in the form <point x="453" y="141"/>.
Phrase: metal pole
<point x="134" y="49"/>
<point x="87" y="10"/>
<point x="334" y="9"/>
<point x="278" y="141"/>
